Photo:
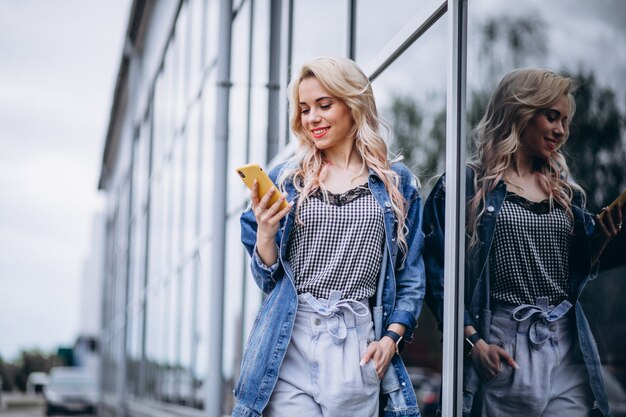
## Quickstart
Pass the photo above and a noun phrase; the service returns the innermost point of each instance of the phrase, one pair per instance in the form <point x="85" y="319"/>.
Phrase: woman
<point x="350" y="238"/>
<point x="532" y="247"/>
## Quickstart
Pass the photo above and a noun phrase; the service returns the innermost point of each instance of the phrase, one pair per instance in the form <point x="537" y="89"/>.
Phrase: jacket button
<point x="387" y="204"/>
<point x="318" y="322"/>
<point x="490" y="209"/>
<point x="373" y="179"/>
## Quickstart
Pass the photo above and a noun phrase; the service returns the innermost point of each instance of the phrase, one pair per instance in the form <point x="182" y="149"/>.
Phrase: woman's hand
<point x="487" y="359"/>
<point x="268" y="221"/>
<point x="381" y="353"/>
<point x="609" y="224"/>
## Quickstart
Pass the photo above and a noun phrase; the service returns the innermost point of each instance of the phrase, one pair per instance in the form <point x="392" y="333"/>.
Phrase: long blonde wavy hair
<point x="521" y="94"/>
<point x="345" y="81"/>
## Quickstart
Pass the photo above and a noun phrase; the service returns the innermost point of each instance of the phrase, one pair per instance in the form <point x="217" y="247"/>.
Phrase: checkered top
<point x="530" y="252"/>
<point x="338" y="245"/>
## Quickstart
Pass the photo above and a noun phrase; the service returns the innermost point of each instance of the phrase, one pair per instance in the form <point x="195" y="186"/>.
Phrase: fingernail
<point x="362" y="362"/>
<point x="516" y="366"/>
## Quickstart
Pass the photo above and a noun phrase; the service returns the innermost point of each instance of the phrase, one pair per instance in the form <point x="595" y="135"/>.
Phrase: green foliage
<point x="595" y="149"/>
<point x="422" y="153"/>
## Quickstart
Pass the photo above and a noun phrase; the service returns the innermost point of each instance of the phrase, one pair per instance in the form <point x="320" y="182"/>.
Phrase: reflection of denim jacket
<point x="402" y="297"/>
<point x="477" y="300"/>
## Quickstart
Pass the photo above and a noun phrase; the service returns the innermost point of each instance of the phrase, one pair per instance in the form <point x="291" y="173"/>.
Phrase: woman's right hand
<point x="487" y="359"/>
<point x="268" y="221"/>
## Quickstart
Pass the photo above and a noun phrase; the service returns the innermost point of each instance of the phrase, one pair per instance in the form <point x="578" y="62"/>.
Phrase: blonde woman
<point x="341" y="265"/>
<point x="532" y="247"/>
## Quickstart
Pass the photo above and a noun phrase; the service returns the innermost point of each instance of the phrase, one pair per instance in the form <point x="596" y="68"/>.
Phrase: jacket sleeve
<point x="410" y="281"/>
<point x="265" y="276"/>
<point x="434" y="227"/>
<point x="434" y="231"/>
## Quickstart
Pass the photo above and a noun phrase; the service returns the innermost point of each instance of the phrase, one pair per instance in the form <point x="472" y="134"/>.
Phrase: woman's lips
<point x="551" y="143"/>
<point x="319" y="132"/>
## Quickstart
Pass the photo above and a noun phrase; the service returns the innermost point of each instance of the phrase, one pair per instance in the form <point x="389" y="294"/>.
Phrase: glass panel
<point x="319" y="28"/>
<point x="182" y="54"/>
<point x="196" y="30"/>
<point x="582" y="46"/>
<point x="411" y="96"/>
<point x="191" y="178"/>
<point x="177" y="199"/>
<point x="172" y="345"/>
<point x="170" y="80"/>
<point x="239" y="101"/>
<point x="185" y="336"/>
<point x="207" y="151"/>
<point x="202" y="337"/>
<point x="260" y="77"/>
<point x="389" y="17"/>
<point x="211" y="31"/>
<point x="160" y="122"/>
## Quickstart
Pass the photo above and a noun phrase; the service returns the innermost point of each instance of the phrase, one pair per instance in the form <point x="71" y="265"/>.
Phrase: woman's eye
<point x="304" y="111"/>
<point x="325" y="106"/>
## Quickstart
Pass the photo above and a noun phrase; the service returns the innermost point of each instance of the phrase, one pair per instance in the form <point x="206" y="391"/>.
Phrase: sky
<point x="58" y="67"/>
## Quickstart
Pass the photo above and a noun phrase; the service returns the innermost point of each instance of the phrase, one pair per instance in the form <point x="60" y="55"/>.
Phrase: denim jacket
<point x="402" y="297"/>
<point x="476" y="297"/>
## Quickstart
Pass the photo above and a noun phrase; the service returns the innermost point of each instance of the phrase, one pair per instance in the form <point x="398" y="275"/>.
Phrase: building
<point x="201" y="89"/>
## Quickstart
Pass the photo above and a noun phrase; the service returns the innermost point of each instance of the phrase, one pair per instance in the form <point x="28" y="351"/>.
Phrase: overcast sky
<point x="58" y="65"/>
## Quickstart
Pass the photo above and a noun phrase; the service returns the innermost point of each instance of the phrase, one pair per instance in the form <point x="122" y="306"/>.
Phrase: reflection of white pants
<point x="552" y="380"/>
<point x="320" y="375"/>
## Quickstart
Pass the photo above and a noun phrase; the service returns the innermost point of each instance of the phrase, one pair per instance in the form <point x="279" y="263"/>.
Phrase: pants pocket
<point x="365" y="335"/>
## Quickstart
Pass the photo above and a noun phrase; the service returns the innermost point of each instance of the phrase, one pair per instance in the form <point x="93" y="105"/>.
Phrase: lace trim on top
<point x="537" y="207"/>
<point x="341" y="199"/>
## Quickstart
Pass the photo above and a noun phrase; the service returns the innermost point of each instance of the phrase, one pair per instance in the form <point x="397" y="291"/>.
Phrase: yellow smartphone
<point x="248" y="173"/>
<point x="620" y="199"/>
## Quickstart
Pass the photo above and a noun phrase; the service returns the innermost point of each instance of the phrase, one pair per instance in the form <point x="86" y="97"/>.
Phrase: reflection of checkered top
<point x="530" y="253"/>
<point x="339" y="244"/>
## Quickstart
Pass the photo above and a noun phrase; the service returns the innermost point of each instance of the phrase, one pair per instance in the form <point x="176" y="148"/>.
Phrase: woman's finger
<point x="266" y="198"/>
<point x="504" y="355"/>
<point x="254" y="194"/>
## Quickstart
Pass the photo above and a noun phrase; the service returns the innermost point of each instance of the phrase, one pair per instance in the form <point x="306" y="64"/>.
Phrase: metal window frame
<point x="454" y="252"/>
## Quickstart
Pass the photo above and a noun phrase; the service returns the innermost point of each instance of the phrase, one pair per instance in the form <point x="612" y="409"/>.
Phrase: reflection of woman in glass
<point x="532" y="247"/>
<point x="353" y="241"/>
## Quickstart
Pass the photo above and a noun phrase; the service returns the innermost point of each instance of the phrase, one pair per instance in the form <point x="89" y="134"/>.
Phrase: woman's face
<point x="326" y="119"/>
<point x="545" y="132"/>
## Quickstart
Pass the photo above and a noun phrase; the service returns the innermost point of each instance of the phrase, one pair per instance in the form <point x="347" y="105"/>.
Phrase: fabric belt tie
<point x="336" y="324"/>
<point x="539" y="329"/>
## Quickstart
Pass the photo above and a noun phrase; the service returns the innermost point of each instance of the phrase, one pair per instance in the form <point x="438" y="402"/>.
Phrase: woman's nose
<point x="314" y="117"/>
<point x="560" y="129"/>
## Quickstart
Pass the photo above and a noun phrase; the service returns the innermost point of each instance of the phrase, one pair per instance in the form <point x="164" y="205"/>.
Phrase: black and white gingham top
<point x="338" y="244"/>
<point x="530" y="252"/>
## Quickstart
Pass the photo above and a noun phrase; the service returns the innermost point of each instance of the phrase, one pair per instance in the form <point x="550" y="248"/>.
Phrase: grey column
<point x="218" y="225"/>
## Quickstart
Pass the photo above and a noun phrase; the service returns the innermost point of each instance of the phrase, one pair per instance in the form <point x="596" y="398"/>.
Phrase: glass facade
<point x="159" y="179"/>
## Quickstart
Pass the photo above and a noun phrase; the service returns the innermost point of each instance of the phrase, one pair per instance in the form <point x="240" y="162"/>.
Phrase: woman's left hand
<point x="610" y="222"/>
<point x="609" y="225"/>
<point x="381" y="353"/>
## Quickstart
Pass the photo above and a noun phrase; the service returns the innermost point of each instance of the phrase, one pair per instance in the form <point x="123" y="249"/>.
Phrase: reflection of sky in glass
<point x="320" y="28"/>
<point x="581" y="34"/>
<point x="377" y="22"/>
